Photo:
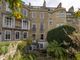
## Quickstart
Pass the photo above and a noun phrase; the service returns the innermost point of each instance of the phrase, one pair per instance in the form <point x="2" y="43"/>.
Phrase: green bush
<point x="77" y="56"/>
<point x="61" y="35"/>
<point x="4" y="47"/>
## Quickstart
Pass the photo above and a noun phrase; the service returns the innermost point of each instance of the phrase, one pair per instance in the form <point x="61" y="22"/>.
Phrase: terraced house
<point x="10" y="28"/>
<point x="39" y="20"/>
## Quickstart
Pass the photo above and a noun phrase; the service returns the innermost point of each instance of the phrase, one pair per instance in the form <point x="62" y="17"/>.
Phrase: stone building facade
<point x="10" y="28"/>
<point x="39" y="20"/>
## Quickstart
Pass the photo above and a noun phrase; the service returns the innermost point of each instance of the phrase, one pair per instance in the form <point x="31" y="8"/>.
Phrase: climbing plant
<point x="77" y="14"/>
<point x="15" y="6"/>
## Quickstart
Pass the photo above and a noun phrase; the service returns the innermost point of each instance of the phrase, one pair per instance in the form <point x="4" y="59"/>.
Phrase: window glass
<point x="41" y="15"/>
<point x="41" y="27"/>
<point x="7" y="35"/>
<point x="17" y="35"/>
<point x="34" y="28"/>
<point x="25" y="35"/>
<point x="40" y="45"/>
<point x="34" y="36"/>
<point x="42" y="36"/>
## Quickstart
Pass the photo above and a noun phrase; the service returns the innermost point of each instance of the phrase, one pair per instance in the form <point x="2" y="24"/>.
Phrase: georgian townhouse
<point x="37" y="21"/>
<point x="44" y="19"/>
<point x="12" y="28"/>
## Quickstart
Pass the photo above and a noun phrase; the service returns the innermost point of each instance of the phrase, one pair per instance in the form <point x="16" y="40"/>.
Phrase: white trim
<point x="12" y="22"/>
<point x="5" y="34"/>
<point x="26" y="27"/>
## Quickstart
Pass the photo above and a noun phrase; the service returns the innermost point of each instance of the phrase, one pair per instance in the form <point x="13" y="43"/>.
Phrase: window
<point x="34" y="36"/>
<point x="40" y="45"/>
<point x="25" y="34"/>
<point x="7" y="35"/>
<point x="24" y="12"/>
<point x="8" y="22"/>
<point x="41" y="27"/>
<point x="33" y="14"/>
<point x="24" y="24"/>
<point x="68" y="14"/>
<point x="42" y="36"/>
<point x="41" y="15"/>
<point x="7" y="7"/>
<point x="34" y="27"/>
<point x="50" y="22"/>
<point x="61" y="15"/>
<point x="17" y="35"/>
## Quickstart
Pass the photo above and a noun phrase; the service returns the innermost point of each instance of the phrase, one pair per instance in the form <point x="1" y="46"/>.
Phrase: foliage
<point x="77" y="56"/>
<point x="77" y="14"/>
<point x="22" y="53"/>
<point x="60" y="34"/>
<point x="19" y="56"/>
<point x="4" y="47"/>
<point x="23" y="44"/>
<point x="55" y="50"/>
<point x="15" y="6"/>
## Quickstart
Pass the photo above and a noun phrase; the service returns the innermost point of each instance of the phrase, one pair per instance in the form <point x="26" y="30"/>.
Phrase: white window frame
<point x="5" y="34"/>
<point x="26" y="26"/>
<point x="19" y="35"/>
<point x="12" y="22"/>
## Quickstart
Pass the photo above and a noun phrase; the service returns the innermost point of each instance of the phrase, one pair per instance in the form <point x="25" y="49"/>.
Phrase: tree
<point x="55" y="50"/>
<point x="60" y="34"/>
<point x="15" y="6"/>
<point x="77" y="14"/>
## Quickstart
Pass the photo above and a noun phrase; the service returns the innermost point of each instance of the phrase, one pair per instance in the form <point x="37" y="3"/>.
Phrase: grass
<point x="4" y="44"/>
